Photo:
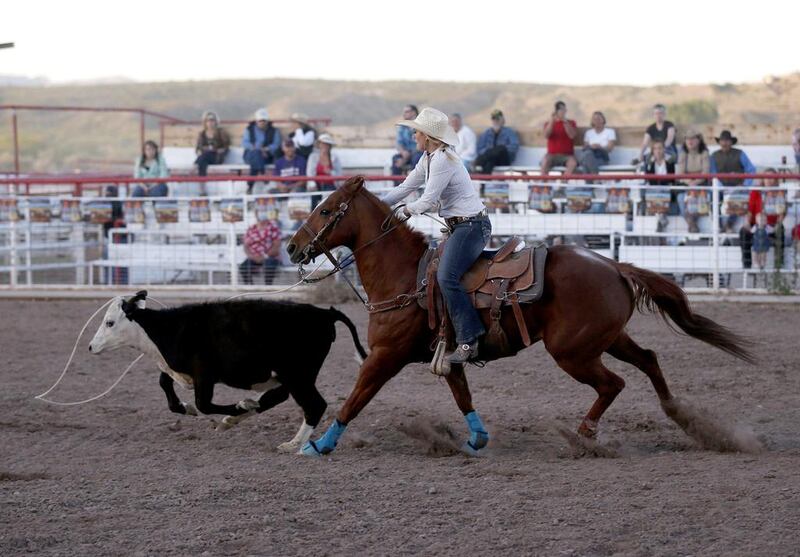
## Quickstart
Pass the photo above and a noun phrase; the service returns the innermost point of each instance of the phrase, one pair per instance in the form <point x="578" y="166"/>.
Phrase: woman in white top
<point x="448" y="187"/>
<point x="303" y="135"/>
<point x="598" y="142"/>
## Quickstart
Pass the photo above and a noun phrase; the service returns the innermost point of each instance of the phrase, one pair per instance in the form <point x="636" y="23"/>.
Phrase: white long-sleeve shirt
<point x="447" y="185"/>
<point x="467" y="147"/>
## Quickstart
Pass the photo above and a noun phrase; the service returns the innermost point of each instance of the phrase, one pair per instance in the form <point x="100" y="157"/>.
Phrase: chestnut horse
<point x="587" y="301"/>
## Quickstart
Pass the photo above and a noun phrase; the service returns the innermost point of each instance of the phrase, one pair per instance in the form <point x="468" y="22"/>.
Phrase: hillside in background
<point x="66" y="142"/>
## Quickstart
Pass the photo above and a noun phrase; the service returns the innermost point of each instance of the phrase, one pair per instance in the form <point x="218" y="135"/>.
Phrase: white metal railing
<point x="43" y="241"/>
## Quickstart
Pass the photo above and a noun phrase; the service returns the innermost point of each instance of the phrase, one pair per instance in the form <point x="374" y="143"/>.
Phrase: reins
<point x="317" y="240"/>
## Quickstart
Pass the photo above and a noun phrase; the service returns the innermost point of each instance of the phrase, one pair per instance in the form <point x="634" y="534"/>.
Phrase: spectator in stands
<point x="761" y="241"/>
<point x="693" y="158"/>
<point x="262" y="244"/>
<point x="660" y="165"/>
<point x="771" y="203"/>
<point x="261" y="142"/>
<point x="303" y="135"/>
<point x="407" y="155"/>
<point x="323" y="162"/>
<point x="290" y="164"/>
<point x="598" y="142"/>
<point x="150" y="165"/>
<point x="729" y="160"/>
<point x="498" y="145"/>
<point x="467" y="148"/>
<point x="661" y="130"/>
<point x="560" y="133"/>
<point x="213" y="143"/>
<point x="796" y="146"/>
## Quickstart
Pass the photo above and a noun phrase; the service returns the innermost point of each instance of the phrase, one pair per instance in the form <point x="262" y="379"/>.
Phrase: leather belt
<point x="452" y="221"/>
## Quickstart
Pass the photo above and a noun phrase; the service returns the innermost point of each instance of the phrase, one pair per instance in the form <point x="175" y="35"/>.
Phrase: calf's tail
<point x="339" y="316"/>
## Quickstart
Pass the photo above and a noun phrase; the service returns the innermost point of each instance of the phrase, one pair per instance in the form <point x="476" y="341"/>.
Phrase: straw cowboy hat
<point x="299" y="117"/>
<point x="727" y="135"/>
<point x="433" y="123"/>
<point x="326" y="138"/>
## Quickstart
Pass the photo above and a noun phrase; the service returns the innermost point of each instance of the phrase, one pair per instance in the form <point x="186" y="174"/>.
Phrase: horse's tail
<point x="339" y="316"/>
<point x="652" y="292"/>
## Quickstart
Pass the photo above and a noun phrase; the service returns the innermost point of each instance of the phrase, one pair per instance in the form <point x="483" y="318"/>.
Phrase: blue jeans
<point x="462" y="250"/>
<point x="257" y="161"/>
<point x="158" y="190"/>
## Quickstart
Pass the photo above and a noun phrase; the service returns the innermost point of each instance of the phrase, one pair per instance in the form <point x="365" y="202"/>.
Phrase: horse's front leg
<point x="479" y="437"/>
<point x="381" y="365"/>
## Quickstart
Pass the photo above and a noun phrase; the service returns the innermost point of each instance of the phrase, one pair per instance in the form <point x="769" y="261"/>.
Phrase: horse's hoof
<point x="189" y="408"/>
<point x="287" y="447"/>
<point x="469" y="450"/>
<point x="310" y="449"/>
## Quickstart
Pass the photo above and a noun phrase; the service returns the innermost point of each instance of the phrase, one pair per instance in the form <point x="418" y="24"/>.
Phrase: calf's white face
<point x="116" y="330"/>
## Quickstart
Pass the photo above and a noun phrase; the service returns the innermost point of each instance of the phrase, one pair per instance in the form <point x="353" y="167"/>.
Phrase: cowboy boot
<point x="463" y="353"/>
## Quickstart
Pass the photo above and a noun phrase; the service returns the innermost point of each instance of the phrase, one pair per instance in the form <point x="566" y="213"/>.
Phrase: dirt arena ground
<point x="123" y="475"/>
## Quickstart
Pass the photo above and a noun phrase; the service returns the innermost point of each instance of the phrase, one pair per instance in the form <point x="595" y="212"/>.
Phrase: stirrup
<point x="439" y="364"/>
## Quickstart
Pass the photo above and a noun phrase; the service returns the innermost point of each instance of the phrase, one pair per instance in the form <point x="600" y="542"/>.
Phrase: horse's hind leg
<point x="625" y="349"/>
<point x="608" y="385"/>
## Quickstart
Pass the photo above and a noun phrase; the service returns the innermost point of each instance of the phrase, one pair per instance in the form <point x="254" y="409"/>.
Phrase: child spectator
<point x="407" y="155"/>
<point x="262" y="244"/>
<point x="323" y="162"/>
<point x="598" y="142"/>
<point x="661" y="130"/>
<point x="150" y="165"/>
<point x="467" y="148"/>
<point x="261" y="142"/>
<point x="213" y="143"/>
<point x="498" y="145"/>
<point x="560" y="133"/>
<point x="760" y="241"/>
<point x="290" y="164"/>
<point x="303" y="134"/>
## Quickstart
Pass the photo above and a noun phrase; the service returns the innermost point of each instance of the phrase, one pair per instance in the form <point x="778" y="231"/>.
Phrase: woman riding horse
<point x="448" y="185"/>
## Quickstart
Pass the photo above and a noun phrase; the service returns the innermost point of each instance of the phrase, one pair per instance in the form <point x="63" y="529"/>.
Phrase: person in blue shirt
<point x="261" y="142"/>
<point x="407" y="155"/>
<point x="290" y="164"/>
<point x="498" y="145"/>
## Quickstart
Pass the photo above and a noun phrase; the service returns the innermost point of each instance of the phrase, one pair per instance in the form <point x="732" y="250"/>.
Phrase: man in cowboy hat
<point x="303" y="134"/>
<point x="498" y="145"/>
<point x="261" y="142"/>
<point x="729" y="160"/>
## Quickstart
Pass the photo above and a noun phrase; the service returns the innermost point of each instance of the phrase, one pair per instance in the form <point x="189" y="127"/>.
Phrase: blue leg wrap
<point x="326" y="443"/>
<point x="479" y="437"/>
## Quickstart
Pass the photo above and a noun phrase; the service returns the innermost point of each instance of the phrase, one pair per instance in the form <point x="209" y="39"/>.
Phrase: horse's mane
<point x="409" y="235"/>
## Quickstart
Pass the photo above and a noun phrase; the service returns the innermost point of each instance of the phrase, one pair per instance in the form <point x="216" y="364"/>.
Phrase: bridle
<point x="318" y="243"/>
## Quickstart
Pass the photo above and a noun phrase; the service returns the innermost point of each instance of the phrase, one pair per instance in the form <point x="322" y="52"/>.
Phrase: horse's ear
<point x="354" y="184"/>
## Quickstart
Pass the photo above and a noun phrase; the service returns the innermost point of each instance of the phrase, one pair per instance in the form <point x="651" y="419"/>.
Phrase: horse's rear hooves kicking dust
<point x="583" y="446"/>
<point x="709" y="431"/>
<point x="437" y="438"/>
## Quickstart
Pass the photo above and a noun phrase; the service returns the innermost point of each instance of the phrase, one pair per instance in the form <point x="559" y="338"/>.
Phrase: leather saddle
<point x="505" y="277"/>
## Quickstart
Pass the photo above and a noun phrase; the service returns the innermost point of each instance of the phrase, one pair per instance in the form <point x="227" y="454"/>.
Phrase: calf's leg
<point x="269" y="399"/>
<point x="308" y="398"/>
<point x="174" y="403"/>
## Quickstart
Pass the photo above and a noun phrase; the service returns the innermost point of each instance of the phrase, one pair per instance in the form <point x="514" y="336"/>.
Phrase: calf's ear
<point x="139" y="298"/>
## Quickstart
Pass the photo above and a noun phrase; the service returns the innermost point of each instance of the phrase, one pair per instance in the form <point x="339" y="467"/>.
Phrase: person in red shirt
<point x="262" y="244"/>
<point x="560" y="133"/>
